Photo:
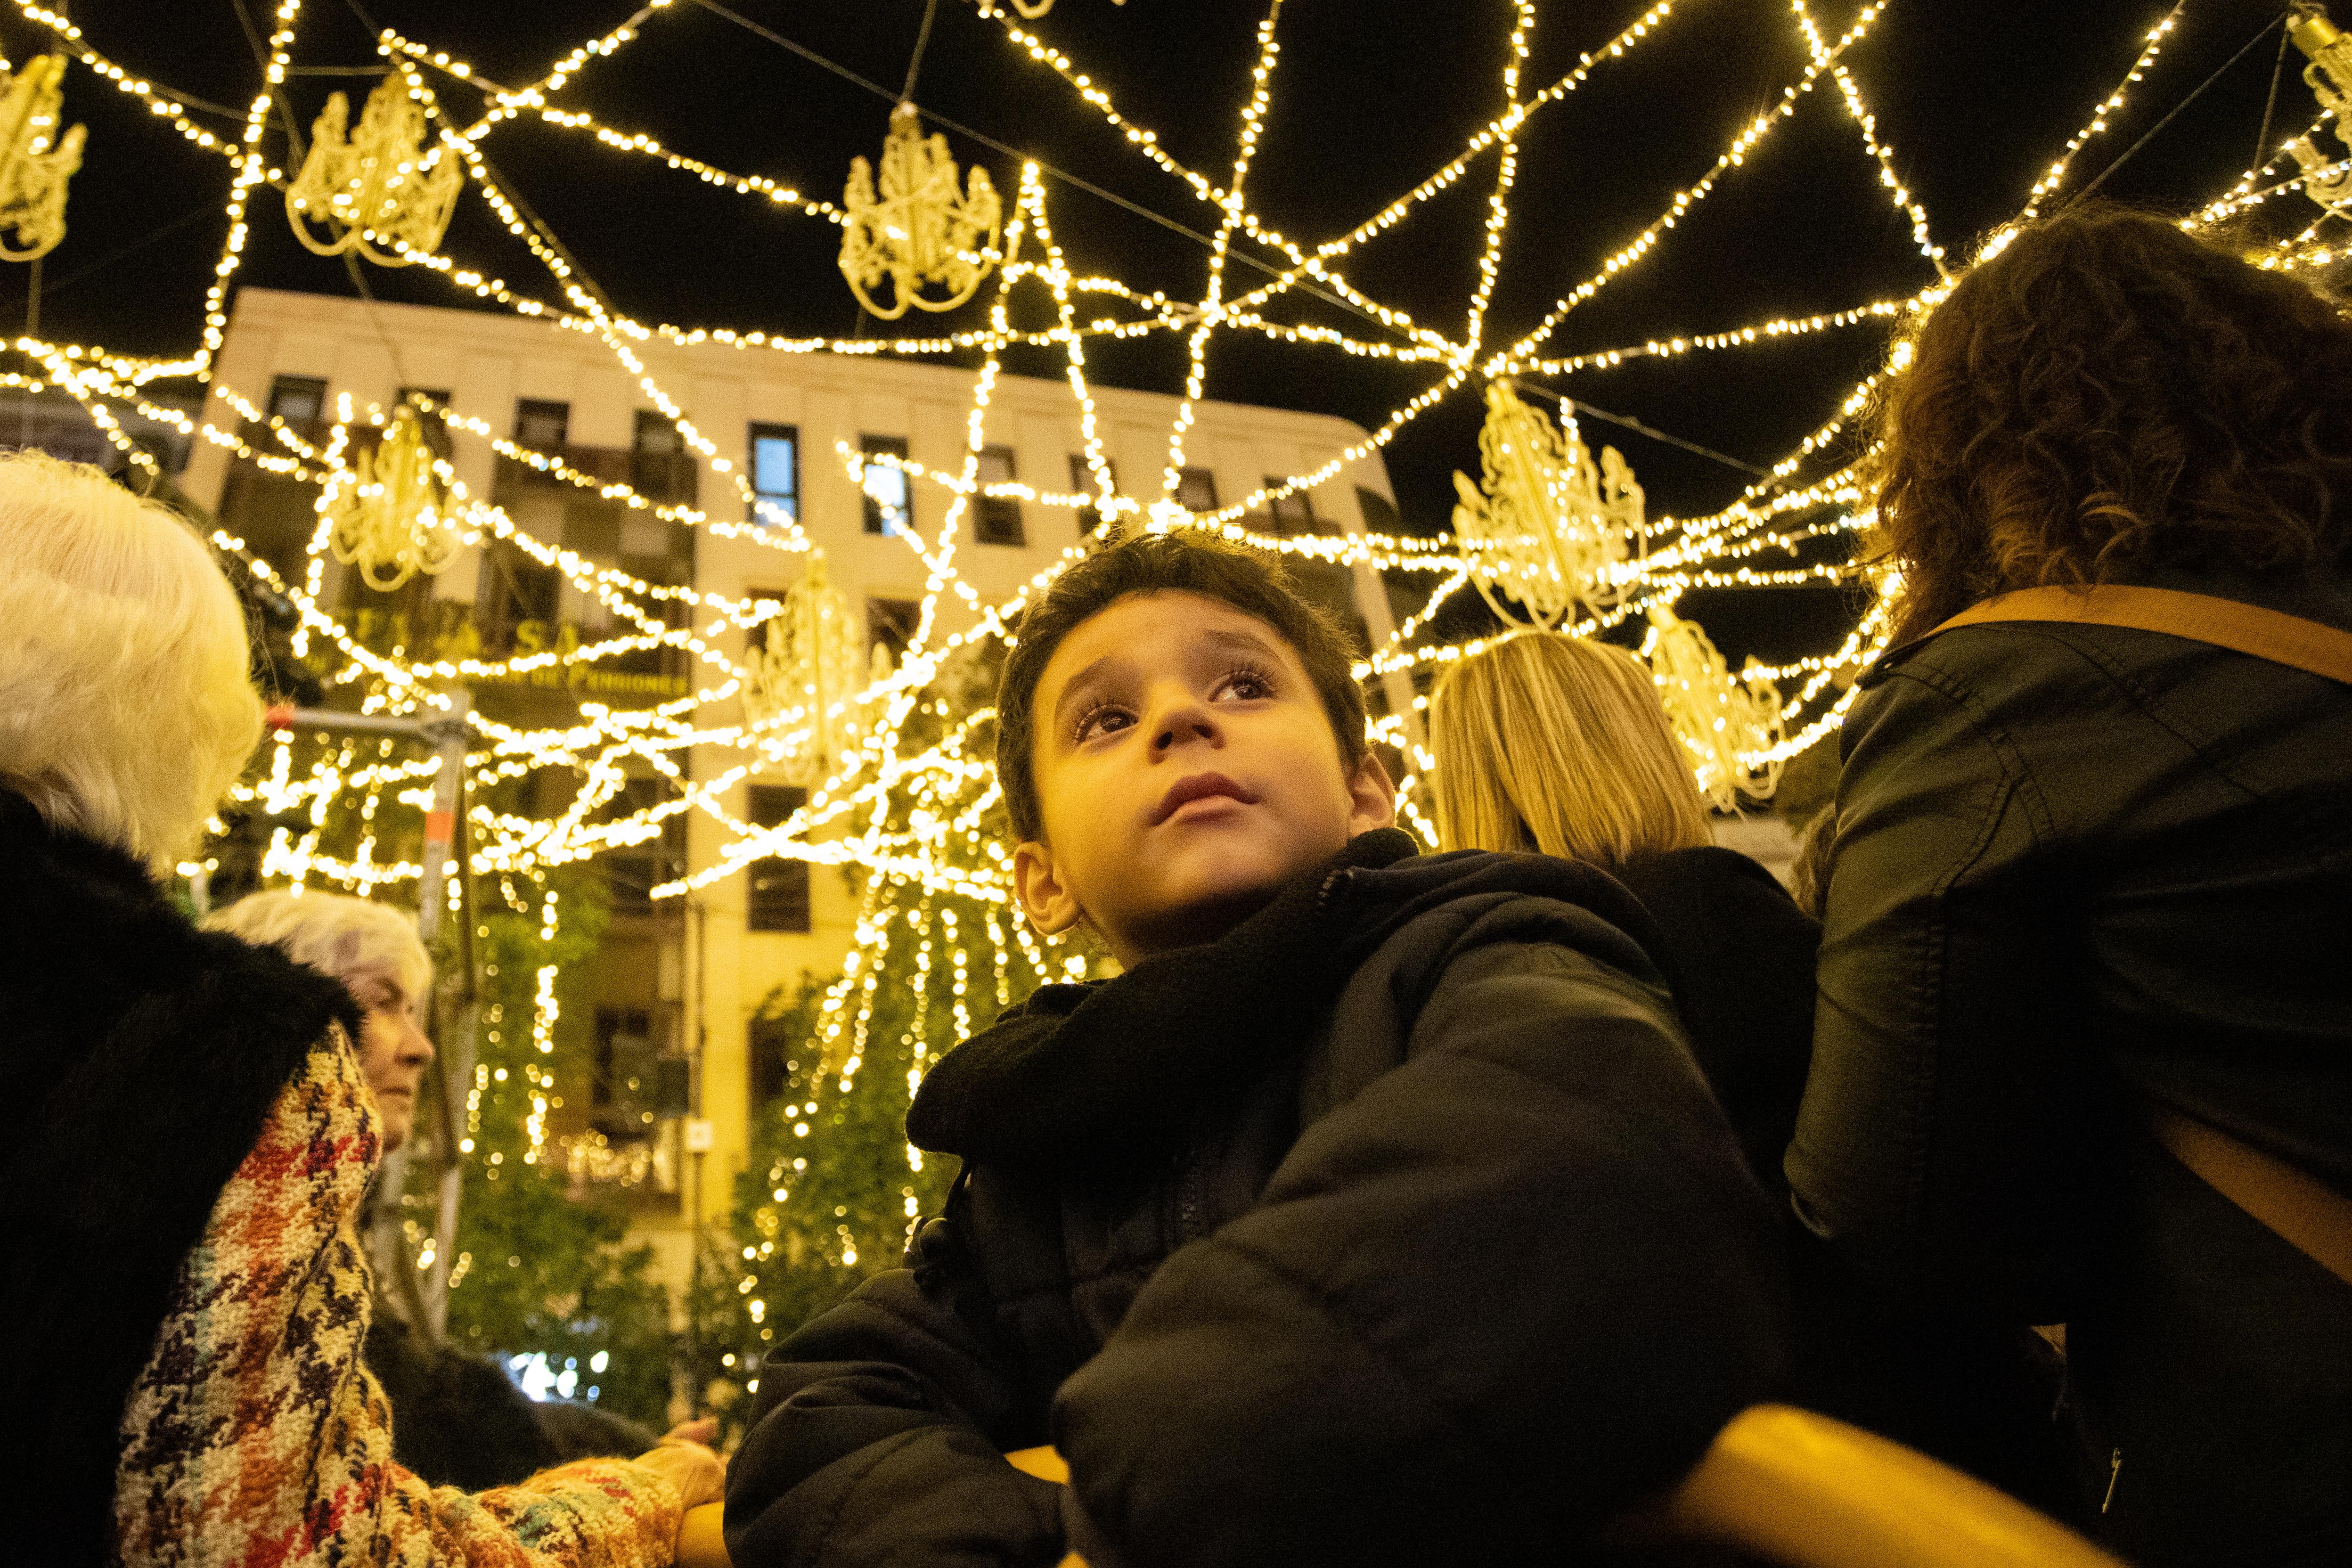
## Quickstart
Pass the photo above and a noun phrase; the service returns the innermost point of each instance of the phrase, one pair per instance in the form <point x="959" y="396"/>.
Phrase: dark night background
<point x="1369" y="98"/>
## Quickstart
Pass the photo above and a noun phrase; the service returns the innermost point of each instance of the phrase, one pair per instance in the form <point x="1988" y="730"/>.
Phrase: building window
<point x="889" y="503"/>
<point x="660" y="467"/>
<point x="1293" y="513"/>
<point x="775" y="474"/>
<point x="1082" y="480"/>
<point x="631" y="874"/>
<point x="435" y="421"/>
<point x="541" y="426"/>
<point x="778" y="899"/>
<point x="996" y="520"/>
<point x="890" y="624"/>
<point x="298" y="400"/>
<point x="1196" y="490"/>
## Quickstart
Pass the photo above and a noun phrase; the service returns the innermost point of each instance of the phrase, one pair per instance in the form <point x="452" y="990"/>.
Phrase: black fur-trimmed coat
<point x="137" y="1057"/>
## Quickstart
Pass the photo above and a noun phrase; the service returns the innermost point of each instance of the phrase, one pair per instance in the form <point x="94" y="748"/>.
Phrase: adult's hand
<point x="703" y="1430"/>
<point x="699" y="1475"/>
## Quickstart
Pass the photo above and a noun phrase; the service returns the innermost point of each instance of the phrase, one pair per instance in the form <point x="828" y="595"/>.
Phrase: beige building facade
<point x="680" y="979"/>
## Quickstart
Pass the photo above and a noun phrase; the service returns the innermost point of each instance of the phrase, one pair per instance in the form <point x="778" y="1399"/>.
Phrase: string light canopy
<point x="901" y="791"/>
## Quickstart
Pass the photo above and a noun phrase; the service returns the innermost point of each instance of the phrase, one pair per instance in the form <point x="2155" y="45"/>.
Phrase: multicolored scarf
<point x="254" y="1436"/>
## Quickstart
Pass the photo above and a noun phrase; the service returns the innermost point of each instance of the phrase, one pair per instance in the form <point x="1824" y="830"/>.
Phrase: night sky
<point x="1369" y="98"/>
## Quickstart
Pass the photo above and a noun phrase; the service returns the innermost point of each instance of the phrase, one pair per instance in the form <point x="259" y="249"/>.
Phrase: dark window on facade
<point x="435" y="419"/>
<point x="996" y="520"/>
<point x="1082" y="480"/>
<point x="891" y="623"/>
<point x="1196" y="490"/>
<point x="631" y="874"/>
<point x="299" y="399"/>
<point x="1380" y="513"/>
<point x="660" y="467"/>
<point x="778" y="896"/>
<point x="890" y="500"/>
<point x="1293" y="513"/>
<point x="542" y="425"/>
<point x="775" y="474"/>
<point x="626" y="1085"/>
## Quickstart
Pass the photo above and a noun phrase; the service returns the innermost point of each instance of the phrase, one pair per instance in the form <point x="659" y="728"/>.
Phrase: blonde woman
<point x="186" y="1126"/>
<point x="1557" y="745"/>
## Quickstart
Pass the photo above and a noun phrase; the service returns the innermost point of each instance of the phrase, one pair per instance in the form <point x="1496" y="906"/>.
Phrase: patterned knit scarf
<point x="256" y="1436"/>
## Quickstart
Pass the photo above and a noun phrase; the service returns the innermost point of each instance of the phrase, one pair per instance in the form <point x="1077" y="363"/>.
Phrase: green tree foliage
<point x="538" y="1268"/>
<point x="833" y="1193"/>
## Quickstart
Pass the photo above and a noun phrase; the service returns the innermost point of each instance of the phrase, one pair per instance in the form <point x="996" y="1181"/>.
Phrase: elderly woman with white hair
<point x="187" y="1122"/>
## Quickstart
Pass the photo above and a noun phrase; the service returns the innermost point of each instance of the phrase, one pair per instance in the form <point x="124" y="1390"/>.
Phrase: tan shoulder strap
<point x="2302" y="1209"/>
<point x="2314" y="1217"/>
<point x="2224" y="623"/>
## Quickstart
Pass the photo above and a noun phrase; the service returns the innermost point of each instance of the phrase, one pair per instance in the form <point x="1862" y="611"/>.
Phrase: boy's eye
<point x="1247" y="685"/>
<point x="1102" y="719"/>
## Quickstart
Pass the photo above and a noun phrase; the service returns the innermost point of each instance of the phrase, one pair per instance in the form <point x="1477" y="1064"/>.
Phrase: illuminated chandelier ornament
<point x="2329" y="76"/>
<point x="923" y="230"/>
<point x="378" y="190"/>
<point x="1547" y="526"/>
<point x="810" y="666"/>
<point x="33" y="172"/>
<point x="1724" y="722"/>
<point x="390" y="518"/>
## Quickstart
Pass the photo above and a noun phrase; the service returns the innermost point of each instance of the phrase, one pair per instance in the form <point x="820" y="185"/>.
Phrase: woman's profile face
<point x="393" y="1053"/>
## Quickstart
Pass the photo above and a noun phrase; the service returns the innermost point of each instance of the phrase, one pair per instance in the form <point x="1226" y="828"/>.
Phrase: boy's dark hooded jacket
<point x="1397" y="1226"/>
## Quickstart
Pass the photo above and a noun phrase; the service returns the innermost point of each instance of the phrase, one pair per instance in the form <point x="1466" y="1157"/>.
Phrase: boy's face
<point x="1185" y="770"/>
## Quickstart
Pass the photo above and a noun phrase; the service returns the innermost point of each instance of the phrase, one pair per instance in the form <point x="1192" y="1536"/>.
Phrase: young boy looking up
<point x="1375" y="1215"/>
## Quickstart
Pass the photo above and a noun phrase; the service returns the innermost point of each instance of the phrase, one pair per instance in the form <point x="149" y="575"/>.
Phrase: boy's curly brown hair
<point x="2107" y="395"/>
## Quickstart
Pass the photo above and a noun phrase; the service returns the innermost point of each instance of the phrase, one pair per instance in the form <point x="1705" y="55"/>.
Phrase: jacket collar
<point x="1115" y="1070"/>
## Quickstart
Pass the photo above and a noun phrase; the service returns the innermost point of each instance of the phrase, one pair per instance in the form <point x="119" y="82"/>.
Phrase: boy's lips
<point x="1199" y="786"/>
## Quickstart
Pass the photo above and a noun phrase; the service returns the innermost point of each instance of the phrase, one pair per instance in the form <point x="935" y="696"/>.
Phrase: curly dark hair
<point x="2106" y="395"/>
<point x="1192" y="561"/>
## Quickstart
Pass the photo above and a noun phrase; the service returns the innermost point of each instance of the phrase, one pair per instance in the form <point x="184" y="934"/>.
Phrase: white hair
<point x="351" y="938"/>
<point x="126" y="709"/>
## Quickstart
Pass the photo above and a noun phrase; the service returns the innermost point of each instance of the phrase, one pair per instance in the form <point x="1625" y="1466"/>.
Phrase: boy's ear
<point x="1371" y="798"/>
<point x="1050" y="905"/>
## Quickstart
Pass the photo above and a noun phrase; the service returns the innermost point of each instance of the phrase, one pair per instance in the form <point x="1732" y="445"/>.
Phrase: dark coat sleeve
<point x="880" y="1432"/>
<point x="1941" y="1146"/>
<point x="1498" y="1294"/>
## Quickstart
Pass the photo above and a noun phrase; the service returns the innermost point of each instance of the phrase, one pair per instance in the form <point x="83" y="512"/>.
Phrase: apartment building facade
<point x="668" y="1118"/>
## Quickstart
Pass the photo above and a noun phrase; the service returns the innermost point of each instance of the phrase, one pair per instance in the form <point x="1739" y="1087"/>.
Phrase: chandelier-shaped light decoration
<point x="1547" y="526"/>
<point x="36" y="162"/>
<point x="1724" y="722"/>
<point x="390" y="516"/>
<point x="2329" y="76"/>
<point x="924" y="231"/>
<point x="378" y="189"/>
<point x="804" y="679"/>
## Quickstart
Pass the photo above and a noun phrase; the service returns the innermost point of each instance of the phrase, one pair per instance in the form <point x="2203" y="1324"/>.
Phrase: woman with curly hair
<point x="2090" y="917"/>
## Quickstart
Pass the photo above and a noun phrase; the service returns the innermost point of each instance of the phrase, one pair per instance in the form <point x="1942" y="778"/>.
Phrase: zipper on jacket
<point x="1190" y="1200"/>
<point x="1331" y="885"/>
<point x="2114" y="1473"/>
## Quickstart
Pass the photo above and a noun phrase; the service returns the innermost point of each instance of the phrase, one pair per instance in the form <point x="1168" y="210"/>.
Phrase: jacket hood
<point x="138" y="1059"/>
<point x="1122" y="1070"/>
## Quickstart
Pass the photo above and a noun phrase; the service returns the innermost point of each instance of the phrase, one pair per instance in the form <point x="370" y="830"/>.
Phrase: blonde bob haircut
<point x="1560" y="745"/>
<point x="126" y="710"/>
<point x="371" y="948"/>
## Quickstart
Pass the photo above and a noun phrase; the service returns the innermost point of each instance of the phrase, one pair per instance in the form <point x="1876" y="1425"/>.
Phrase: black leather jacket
<point x="1397" y="1227"/>
<point x="2079" y="868"/>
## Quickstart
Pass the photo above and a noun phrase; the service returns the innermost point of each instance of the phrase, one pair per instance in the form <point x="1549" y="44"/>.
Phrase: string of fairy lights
<point x="1561" y="537"/>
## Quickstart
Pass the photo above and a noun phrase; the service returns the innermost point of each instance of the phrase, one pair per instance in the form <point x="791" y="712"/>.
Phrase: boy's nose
<point x="1182" y="722"/>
